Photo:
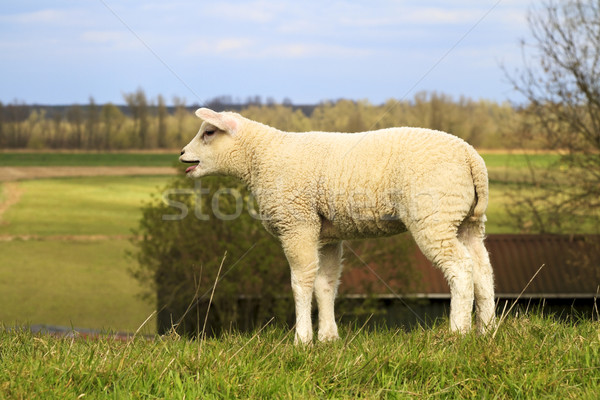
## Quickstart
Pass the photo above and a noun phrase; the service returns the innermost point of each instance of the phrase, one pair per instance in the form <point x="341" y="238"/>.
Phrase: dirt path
<point x="12" y="194"/>
<point x="23" y="173"/>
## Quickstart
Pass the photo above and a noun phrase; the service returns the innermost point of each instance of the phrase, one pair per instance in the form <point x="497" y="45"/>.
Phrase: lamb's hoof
<point x="328" y="336"/>
<point x="302" y="340"/>
<point x="483" y="329"/>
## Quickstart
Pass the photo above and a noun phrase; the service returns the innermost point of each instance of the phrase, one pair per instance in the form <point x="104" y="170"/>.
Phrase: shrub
<point x="182" y="240"/>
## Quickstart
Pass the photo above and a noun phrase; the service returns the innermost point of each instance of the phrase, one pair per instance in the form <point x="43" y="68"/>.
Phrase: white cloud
<point x="229" y="47"/>
<point x="253" y="48"/>
<point x="46" y="17"/>
<point x="259" y="11"/>
<point x="41" y="16"/>
<point x="312" y="50"/>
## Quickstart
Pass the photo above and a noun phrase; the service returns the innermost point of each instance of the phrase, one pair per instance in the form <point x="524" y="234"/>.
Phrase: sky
<point x="66" y="51"/>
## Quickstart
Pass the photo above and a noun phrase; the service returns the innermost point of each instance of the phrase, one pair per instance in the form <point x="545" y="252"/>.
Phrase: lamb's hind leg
<point x="326" y="283"/>
<point x="471" y="234"/>
<point x="447" y="253"/>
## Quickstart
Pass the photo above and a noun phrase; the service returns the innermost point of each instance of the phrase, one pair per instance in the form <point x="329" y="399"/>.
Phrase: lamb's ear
<point x="222" y="121"/>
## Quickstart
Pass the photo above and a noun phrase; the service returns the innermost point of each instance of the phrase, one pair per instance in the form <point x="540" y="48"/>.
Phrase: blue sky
<point x="63" y="52"/>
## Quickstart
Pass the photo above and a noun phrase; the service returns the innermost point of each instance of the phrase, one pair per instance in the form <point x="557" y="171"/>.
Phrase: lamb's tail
<point x="481" y="183"/>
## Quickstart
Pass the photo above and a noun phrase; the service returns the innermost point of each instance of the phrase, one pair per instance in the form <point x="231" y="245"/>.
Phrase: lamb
<point x="316" y="189"/>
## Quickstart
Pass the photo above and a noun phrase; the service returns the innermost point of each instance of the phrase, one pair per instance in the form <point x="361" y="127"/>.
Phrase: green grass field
<point x="532" y="357"/>
<point x="518" y="161"/>
<point x="57" y="280"/>
<point x="88" y="159"/>
<point x="80" y="206"/>
<point x="70" y="283"/>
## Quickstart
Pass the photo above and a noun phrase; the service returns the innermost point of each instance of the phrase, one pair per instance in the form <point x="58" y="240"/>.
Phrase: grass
<point x="88" y="159"/>
<point x="59" y="280"/>
<point x="531" y="357"/>
<point x="519" y="161"/>
<point x="79" y="206"/>
<point x="506" y="168"/>
<point x="70" y="283"/>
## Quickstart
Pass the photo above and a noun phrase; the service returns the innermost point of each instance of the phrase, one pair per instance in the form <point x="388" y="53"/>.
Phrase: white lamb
<point x="316" y="189"/>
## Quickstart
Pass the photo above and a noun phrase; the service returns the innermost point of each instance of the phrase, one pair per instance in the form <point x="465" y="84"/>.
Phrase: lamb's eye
<point x="209" y="133"/>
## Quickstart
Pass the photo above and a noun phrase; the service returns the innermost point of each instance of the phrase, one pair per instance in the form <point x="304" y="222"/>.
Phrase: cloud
<point x="229" y="47"/>
<point x="256" y="11"/>
<point x="41" y="16"/>
<point x="254" y="48"/>
<point x="312" y="50"/>
<point x="45" y="17"/>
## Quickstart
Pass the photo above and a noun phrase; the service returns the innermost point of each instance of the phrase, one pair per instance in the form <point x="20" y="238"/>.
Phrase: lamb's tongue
<point x="188" y="169"/>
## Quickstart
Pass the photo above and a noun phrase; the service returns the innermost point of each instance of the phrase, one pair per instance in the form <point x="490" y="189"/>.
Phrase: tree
<point x="75" y="118"/>
<point x="2" y="138"/>
<point x="93" y="120"/>
<point x="162" y="115"/>
<point x="112" y="119"/>
<point x="180" y="114"/>
<point x="561" y="82"/>
<point x="57" y="131"/>
<point x="138" y="107"/>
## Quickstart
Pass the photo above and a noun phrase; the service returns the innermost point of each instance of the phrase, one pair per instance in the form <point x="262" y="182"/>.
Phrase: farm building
<point x="559" y="272"/>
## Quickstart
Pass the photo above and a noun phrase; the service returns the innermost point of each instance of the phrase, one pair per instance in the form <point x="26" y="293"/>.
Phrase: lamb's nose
<point x="182" y="152"/>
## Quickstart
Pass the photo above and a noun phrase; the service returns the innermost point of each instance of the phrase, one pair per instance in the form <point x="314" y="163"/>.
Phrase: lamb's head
<point x="211" y="149"/>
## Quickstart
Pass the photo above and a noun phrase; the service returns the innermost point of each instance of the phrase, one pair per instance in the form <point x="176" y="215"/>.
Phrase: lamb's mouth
<point x="190" y="169"/>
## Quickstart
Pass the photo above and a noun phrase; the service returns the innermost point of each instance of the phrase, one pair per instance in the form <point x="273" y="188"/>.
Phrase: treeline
<point x="143" y="123"/>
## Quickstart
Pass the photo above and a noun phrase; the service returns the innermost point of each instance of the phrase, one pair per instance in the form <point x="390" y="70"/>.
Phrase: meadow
<point x="531" y="356"/>
<point x="66" y="263"/>
<point x="90" y="159"/>
<point x="65" y="243"/>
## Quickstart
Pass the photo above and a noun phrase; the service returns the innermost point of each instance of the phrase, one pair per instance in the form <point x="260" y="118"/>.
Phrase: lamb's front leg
<point x="326" y="283"/>
<point x="303" y="255"/>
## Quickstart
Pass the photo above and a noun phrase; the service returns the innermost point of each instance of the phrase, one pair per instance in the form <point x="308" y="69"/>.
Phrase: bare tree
<point x="92" y="123"/>
<point x="113" y="119"/>
<point x="138" y="107"/>
<point x="561" y="82"/>
<point x="180" y="114"/>
<point x="2" y="138"/>
<point x="162" y="115"/>
<point x="76" y="119"/>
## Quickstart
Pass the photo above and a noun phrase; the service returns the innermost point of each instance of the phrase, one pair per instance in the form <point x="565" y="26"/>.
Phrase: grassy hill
<point x="531" y="357"/>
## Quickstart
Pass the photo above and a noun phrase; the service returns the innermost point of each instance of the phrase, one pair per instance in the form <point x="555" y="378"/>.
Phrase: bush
<point x="182" y="240"/>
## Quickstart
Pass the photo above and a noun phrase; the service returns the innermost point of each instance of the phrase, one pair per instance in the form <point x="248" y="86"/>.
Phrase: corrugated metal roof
<point x="571" y="269"/>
